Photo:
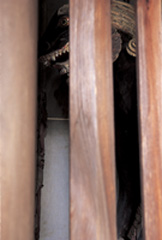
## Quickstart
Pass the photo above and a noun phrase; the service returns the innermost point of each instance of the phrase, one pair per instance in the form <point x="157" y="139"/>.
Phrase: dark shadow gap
<point x="53" y="39"/>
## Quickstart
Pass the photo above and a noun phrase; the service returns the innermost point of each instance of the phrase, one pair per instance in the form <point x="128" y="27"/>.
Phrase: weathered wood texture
<point x="18" y="57"/>
<point x="93" y="204"/>
<point x="150" y="110"/>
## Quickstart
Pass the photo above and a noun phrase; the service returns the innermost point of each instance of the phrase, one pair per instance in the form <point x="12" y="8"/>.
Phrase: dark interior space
<point x="53" y="87"/>
<point x="127" y="144"/>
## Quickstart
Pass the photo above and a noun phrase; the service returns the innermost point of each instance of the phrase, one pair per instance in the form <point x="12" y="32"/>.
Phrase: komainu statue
<point x="54" y="53"/>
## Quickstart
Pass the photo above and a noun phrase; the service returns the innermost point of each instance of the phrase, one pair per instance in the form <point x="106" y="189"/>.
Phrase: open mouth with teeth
<point x="58" y="59"/>
<point x="56" y="38"/>
<point x="54" y="44"/>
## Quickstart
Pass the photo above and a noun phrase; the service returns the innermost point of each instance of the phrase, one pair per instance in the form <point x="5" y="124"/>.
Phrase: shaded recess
<point x="53" y="86"/>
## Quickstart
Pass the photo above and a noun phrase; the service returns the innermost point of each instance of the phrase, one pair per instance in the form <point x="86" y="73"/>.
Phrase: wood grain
<point x="150" y="113"/>
<point x="18" y="68"/>
<point x="93" y="204"/>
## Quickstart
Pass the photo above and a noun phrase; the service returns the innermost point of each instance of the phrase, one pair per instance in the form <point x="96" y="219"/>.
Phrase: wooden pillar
<point x="150" y="109"/>
<point x="93" y="204"/>
<point x="18" y="50"/>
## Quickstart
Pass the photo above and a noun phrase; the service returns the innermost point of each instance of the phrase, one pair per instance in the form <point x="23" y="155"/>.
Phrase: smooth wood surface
<point x="18" y="58"/>
<point x="93" y="203"/>
<point x="150" y="109"/>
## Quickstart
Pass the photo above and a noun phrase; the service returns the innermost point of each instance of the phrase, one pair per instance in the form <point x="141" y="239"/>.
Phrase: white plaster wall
<point x="55" y="193"/>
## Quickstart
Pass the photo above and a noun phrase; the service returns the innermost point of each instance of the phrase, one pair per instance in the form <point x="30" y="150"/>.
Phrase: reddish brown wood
<point x="18" y="68"/>
<point x="93" y="201"/>
<point x="150" y="108"/>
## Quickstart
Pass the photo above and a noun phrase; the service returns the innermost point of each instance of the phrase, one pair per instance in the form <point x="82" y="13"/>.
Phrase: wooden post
<point x="150" y="109"/>
<point x="18" y="53"/>
<point x="93" y="203"/>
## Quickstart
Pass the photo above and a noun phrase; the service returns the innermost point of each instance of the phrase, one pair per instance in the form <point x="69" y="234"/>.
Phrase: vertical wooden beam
<point x="93" y="204"/>
<point x="150" y="108"/>
<point x="18" y="53"/>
